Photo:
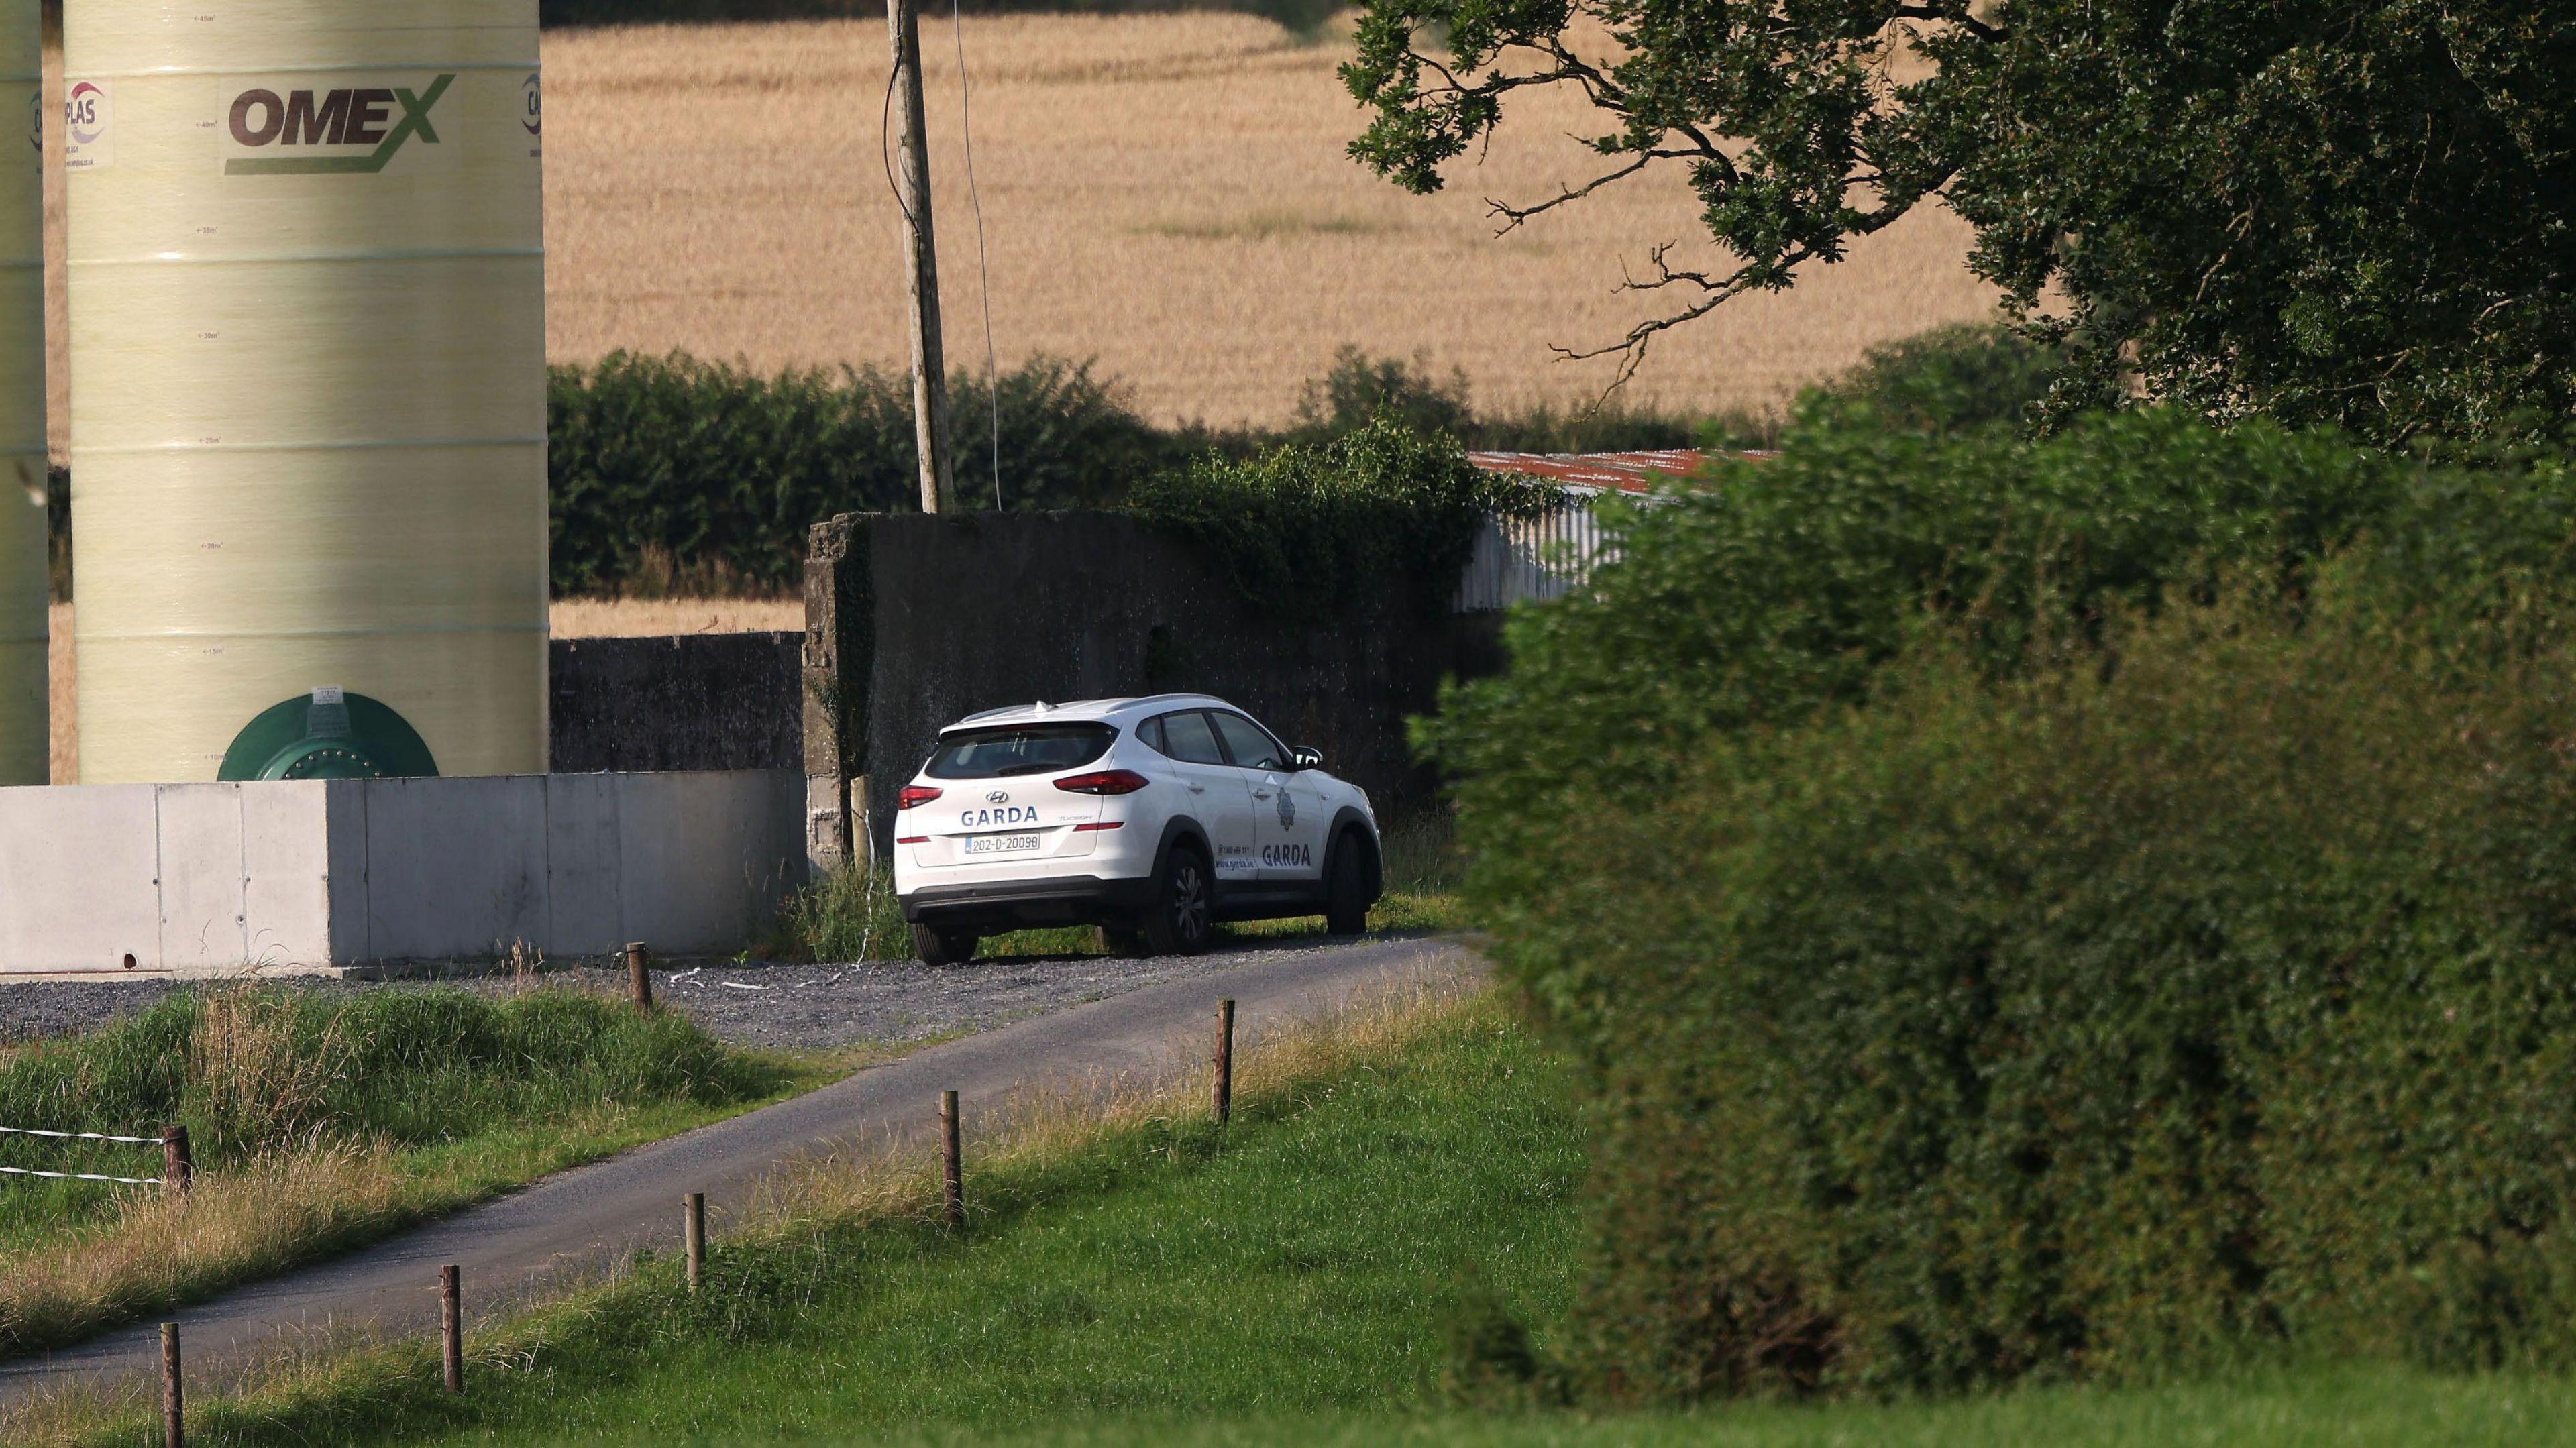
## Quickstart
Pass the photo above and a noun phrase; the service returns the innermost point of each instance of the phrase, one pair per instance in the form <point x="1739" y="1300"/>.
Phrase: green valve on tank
<point x="328" y="734"/>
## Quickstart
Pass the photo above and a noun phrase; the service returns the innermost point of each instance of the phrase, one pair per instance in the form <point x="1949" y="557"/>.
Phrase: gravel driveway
<point x="798" y="1007"/>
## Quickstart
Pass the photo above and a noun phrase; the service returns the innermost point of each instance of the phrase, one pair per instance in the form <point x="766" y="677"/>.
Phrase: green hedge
<point x="1308" y="527"/>
<point x="2022" y="912"/>
<point x="2092" y="1024"/>
<point x="1781" y="585"/>
<point x="662" y="459"/>
<point x="676" y="473"/>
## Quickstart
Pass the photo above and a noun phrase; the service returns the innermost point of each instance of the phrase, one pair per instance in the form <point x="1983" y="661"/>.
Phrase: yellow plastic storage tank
<point x="308" y="387"/>
<point x="22" y="405"/>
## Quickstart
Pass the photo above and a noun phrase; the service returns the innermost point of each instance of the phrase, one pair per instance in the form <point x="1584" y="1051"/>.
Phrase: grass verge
<point x="322" y="1122"/>
<point x="1135" y="1259"/>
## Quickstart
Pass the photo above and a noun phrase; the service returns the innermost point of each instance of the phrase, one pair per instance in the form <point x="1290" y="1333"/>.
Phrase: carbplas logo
<point x="352" y="131"/>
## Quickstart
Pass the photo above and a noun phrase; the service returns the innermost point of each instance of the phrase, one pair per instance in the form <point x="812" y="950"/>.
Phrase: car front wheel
<point x="1181" y="917"/>
<point x="1346" y="900"/>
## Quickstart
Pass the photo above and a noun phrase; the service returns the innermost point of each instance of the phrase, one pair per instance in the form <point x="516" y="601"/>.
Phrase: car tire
<point x="943" y="947"/>
<point x="1346" y="899"/>
<point x="1182" y="915"/>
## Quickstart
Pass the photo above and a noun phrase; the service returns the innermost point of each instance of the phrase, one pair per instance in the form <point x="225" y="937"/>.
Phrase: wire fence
<point x="176" y="1165"/>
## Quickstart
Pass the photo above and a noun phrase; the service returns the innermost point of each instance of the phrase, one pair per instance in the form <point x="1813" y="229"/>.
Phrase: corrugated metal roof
<point x="1626" y="472"/>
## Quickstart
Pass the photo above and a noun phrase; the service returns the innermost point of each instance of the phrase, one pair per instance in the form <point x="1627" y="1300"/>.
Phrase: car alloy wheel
<point x="1188" y="903"/>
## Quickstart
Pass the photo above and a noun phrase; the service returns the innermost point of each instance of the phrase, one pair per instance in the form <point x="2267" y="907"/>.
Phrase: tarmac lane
<point x="582" y="1223"/>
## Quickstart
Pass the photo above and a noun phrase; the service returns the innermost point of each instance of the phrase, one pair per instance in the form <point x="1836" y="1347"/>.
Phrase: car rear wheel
<point x="1346" y="899"/>
<point x="943" y="947"/>
<point x="1182" y="916"/>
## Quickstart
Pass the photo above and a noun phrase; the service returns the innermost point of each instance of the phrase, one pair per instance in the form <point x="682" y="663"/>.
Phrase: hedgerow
<point x="724" y="469"/>
<point x="1312" y="527"/>
<point x="2096" y="1022"/>
<point x="2083" y="907"/>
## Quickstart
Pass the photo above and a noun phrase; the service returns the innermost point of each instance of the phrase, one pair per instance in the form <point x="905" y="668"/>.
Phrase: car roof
<point x="1106" y="711"/>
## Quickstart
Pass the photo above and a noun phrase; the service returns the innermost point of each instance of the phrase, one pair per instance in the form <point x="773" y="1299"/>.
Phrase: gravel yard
<point x="797" y="1007"/>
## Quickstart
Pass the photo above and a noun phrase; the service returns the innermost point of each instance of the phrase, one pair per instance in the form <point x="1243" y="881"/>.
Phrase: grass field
<point x="1294" y="1280"/>
<point x="1165" y="192"/>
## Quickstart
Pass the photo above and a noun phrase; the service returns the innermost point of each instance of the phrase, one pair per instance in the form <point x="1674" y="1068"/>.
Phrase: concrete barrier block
<point x="585" y="880"/>
<point x="344" y="824"/>
<point x="286" y="842"/>
<point x="455" y="867"/>
<point x="79" y="891"/>
<point x="204" y="894"/>
<point x="705" y="856"/>
<point x="210" y="879"/>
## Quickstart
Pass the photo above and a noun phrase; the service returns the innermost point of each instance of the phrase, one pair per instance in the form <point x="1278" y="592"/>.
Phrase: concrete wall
<point x="207" y="879"/>
<point x="941" y="617"/>
<point x="695" y="701"/>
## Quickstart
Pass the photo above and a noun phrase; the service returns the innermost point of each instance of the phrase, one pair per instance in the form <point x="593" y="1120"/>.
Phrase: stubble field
<point x="1167" y="193"/>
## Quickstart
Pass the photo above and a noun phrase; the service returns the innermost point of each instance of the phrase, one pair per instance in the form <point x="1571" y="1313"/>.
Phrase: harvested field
<point x="572" y="619"/>
<point x="1165" y="192"/>
<point x="627" y="618"/>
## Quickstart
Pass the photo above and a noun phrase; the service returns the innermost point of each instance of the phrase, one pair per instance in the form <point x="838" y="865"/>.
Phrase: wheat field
<point x="1166" y="193"/>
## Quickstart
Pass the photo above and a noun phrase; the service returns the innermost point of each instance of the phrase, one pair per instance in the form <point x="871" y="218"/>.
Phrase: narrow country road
<point x="582" y="1221"/>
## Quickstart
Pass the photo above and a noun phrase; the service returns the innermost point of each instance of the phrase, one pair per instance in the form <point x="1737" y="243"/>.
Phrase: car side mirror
<point x="1306" y="757"/>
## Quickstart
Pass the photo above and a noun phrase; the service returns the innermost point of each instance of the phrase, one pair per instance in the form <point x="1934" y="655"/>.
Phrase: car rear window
<point x="1017" y="749"/>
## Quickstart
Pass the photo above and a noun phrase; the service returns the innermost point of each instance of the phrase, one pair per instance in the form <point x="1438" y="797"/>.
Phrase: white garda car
<point x="1151" y="818"/>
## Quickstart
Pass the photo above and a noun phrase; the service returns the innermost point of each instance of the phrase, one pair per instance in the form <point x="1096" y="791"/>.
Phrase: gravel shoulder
<point x="755" y="1004"/>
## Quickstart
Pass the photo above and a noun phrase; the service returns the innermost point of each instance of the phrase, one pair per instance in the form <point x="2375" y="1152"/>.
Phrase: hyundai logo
<point x="999" y="796"/>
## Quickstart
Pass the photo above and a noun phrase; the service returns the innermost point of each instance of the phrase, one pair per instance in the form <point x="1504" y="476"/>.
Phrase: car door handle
<point x="1198" y="789"/>
<point x="1261" y="794"/>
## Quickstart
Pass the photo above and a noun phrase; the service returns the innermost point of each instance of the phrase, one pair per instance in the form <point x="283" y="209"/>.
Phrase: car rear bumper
<point x="996" y="905"/>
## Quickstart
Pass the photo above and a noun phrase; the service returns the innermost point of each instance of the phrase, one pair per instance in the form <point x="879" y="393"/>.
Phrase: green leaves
<point x="2318" y="212"/>
<point x="1311" y="528"/>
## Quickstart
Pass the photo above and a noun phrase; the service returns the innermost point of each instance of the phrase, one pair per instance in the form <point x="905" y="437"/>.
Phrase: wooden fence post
<point x="693" y="1230"/>
<point x="639" y="974"/>
<point x="174" y="1402"/>
<point x="178" y="1167"/>
<point x="1224" y="1060"/>
<point x="451" y="1328"/>
<point x="954" y="1174"/>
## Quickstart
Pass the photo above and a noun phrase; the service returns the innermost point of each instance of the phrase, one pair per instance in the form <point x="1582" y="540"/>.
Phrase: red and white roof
<point x="1625" y="472"/>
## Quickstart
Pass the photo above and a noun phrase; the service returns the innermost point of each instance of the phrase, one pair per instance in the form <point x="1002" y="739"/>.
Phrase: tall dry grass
<point x="1165" y="192"/>
<point x="233" y="1225"/>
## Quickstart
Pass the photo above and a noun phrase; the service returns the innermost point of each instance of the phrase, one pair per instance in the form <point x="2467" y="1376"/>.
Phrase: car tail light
<point x="914" y="794"/>
<point x="1097" y="825"/>
<point x="1106" y="781"/>
<point x="912" y="839"/>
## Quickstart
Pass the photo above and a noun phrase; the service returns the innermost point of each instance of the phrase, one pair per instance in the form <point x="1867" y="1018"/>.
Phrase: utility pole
<point x="921" y="261"/>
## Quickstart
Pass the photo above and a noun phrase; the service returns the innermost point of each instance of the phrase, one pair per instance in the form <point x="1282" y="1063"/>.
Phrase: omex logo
<point x="348" y="117"/>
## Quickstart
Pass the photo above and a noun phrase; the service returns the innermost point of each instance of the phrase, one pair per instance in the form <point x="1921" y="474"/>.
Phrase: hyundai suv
<point x="1152" y="819"/>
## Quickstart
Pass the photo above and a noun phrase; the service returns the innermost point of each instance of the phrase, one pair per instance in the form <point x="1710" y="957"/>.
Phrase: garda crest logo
<point x="1287" y="811"/>
<point x="351" y="131"/>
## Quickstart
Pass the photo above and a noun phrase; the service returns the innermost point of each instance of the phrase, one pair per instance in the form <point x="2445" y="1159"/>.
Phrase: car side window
<point x="1251" y="745"/>
<point x="1151" y="731"/>
<point x="1187" y="738"/>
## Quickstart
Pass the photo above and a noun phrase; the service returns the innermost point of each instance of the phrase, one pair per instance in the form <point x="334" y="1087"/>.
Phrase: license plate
<point x="1001" y="844"/>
